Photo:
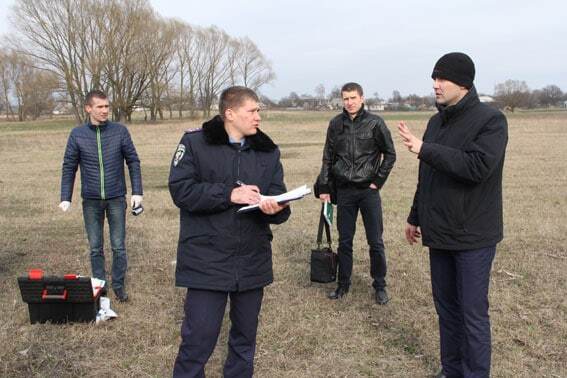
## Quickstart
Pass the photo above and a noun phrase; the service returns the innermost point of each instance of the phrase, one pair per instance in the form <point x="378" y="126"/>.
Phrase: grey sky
<point x="388" y="45"/>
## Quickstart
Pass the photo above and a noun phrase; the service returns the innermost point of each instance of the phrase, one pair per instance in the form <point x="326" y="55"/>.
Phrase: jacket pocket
<point x="364" y="142"/>
<point x="448" y="206"/>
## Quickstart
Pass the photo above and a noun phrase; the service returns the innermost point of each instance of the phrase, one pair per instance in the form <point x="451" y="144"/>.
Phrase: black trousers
<point x="460" y="281"/>
<point x="204" y="311"/>
<point x="349" y="202"/>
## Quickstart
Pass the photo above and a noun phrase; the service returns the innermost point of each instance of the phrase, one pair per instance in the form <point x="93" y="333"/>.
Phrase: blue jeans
<point x="349" y="202"/>
<point x="94" y="212"/>
<point x="460" y="281"/>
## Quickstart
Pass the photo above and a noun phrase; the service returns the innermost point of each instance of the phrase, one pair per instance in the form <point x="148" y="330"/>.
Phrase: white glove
<point x="136" y="200"/>
<point x="65" y="205"/>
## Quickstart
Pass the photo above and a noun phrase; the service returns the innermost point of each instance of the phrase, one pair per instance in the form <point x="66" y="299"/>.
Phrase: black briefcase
<point x="323" y="259"/>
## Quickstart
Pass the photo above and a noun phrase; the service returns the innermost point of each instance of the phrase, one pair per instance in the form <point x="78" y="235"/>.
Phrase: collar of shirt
<point x="241" y="141"/>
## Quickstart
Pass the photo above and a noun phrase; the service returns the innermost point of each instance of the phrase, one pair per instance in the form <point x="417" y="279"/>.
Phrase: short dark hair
<point x="95" y="93"/>
<point x="235" y="96"/>
<point x="349" y="87"/>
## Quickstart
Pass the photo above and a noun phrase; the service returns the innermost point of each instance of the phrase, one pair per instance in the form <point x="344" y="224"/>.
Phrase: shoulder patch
<point x="178" y="154"/>
<point x="190" y="131"/>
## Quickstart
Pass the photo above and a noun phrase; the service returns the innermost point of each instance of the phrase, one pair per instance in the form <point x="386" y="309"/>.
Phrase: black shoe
<point x="440" y="374"/>
<point x="103" y="292"/>
<point x="338" y="293"/>
<point x="121" y="295"/>
<point x="382" y="296"/>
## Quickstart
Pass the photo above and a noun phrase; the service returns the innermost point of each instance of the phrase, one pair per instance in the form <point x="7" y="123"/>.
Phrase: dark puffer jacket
<point x="220" y="249"/>
<point x="458" y="201"/>
<point x="100" y="151"/>
<point x="357" y="152"/>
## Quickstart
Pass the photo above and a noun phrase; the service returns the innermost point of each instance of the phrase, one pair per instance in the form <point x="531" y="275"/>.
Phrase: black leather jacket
<point x="357" y="152"/>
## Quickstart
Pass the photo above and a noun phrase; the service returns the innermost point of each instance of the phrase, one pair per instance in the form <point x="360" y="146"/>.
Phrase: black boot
<point x="382" y="296"/>
<point x="338" y="293"/>
<point x="121" y="295"/>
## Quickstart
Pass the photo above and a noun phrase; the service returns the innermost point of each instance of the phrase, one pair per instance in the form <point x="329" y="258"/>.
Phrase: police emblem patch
<point x="178" y="154"/>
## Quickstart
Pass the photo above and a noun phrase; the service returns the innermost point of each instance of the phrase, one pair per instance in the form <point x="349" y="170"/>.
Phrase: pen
<point x="240" y="183"/>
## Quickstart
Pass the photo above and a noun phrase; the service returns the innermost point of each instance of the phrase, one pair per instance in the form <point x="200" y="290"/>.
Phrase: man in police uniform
<point x="222" y="253"/>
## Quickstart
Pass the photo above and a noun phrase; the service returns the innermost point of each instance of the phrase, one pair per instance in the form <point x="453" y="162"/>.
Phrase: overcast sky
<point x="387" y="46"/>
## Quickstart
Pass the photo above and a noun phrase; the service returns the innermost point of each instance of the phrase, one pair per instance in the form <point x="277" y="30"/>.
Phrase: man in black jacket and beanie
<point x="457" y="210"/>
<point x="357" y="158"/>
<point x="223" y="253"/>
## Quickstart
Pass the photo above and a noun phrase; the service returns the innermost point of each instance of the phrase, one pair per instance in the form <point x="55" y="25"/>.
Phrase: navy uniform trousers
<point x="460" y="281"/>
<point x="204" y="312"/>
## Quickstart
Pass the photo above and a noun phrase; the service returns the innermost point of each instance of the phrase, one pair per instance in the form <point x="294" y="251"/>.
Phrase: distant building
<point x="62" y="108"/>
<point x="140" y="108"/>
<point x="487" y="99"/>
<point x="336" y="103"/>
<point x="312" y="103"/>
<point x="377" y="106"/>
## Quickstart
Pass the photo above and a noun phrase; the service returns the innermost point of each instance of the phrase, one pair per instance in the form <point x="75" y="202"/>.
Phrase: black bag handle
<point x="323" y="223"/>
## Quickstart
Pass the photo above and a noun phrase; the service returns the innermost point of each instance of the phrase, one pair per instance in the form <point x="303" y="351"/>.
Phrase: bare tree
<point x="127" y="61"/>
<point x="124" y="48"/>
<point x="6" y="83"/>
<point x="160" y="62"/>
<point x="335" y="93"/>
<point x="235" y="52"/>
<point x="550" y="95"/>
<point x="396" y="97"/>
<point x="192" y="53"/>
<point x="35" y="92"/>
<point x="253" y="66"/>
<point x="50" y="32"/>
<point x="89" y="44"/>
<point x="320" y="91"/>
<point x="183" y="44"/>
<point x="31" y="88"/>
<point x="214" y="73"/>
<point x="512" y="93"/>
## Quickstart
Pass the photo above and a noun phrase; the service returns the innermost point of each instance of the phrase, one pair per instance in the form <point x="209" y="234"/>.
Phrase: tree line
<point x="510" y="94"/>
<point x="64" y="48"/>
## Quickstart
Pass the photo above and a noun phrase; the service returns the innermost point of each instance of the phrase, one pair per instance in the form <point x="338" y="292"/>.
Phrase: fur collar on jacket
<point x="216" y="134"/>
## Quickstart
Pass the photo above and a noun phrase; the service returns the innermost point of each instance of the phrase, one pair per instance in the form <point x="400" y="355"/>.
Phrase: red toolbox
<point x="59" y="299"/>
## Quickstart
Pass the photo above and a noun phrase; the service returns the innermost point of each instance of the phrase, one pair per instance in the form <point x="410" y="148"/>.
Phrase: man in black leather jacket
<point x="357" y="158"/>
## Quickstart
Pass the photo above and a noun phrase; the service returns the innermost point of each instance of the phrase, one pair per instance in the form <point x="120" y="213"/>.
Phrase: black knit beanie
<point x="456" y="67"/>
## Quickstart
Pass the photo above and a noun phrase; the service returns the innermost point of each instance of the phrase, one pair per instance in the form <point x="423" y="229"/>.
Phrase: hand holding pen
<point x="245" y="194"/>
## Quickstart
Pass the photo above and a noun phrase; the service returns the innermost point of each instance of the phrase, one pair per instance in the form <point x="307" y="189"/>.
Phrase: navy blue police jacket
<point x="100" y="151"/>
<point x="218" y="248"/>
<point x="458" y="201"/>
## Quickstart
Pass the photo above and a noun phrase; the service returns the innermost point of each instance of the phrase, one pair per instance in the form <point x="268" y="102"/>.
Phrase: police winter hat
<point x="456" y="67"/>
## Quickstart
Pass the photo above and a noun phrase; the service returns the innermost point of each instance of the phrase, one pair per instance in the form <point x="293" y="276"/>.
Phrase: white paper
<point x="97" y="285"/>
<point x="105" y="312"/>
<point x="292" y="195"/>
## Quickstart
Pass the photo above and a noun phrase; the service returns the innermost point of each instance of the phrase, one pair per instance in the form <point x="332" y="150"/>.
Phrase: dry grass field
<point x="301" y="333"/>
